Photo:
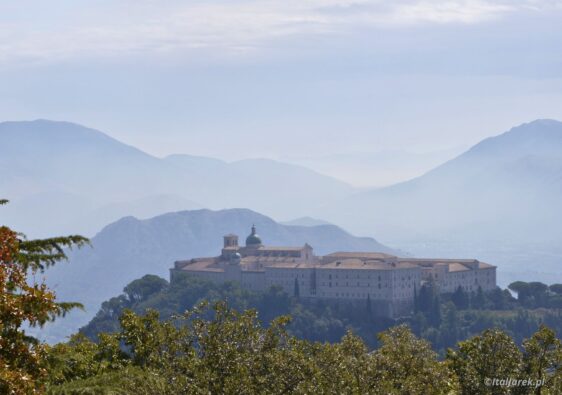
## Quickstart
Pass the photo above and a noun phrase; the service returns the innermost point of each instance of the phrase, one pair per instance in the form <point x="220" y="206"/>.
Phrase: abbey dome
<point x="253" y="239"/>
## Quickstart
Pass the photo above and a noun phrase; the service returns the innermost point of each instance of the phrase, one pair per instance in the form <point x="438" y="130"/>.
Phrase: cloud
<point x="127" y="27"/>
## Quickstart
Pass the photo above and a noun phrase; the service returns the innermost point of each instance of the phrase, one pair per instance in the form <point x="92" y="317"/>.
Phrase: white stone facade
<point x="388" y="281"/>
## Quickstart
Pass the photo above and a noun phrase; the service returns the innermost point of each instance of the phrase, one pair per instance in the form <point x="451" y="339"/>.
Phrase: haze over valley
<point x="71" y="179"/>
<point x="131" y="248"/>
<point x="498" y="201"/>
<point x="337" y="196"/>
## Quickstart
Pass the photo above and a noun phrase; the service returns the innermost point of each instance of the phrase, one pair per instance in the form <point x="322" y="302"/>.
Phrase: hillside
<point x="505" y="188"/>
<point x="130" y="248"/>
<point x="306" y="221"/>
<point x="63" y="175"/>
<point x="499" y="201"/>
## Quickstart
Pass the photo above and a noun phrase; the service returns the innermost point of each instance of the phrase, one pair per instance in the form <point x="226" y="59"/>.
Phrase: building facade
<point x="389" y="282"/>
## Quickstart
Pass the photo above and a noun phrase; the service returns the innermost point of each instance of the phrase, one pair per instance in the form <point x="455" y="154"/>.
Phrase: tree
<point x="533" y="294"/>
<point x="460" y="298"/>
<point x="408" y="365"/>
<point x="500" y="299"/>
<point x="539" y="293"/>
<point x="479" y="301"/>
<point x="24" y="301"/>
<point x="425" y="298"/>
<point x="522" y="290"/>
<point x="449" y="329"/>
<point x="556" y="288"/>
<point x="542" y="359"/>
<point x="416" y="302"/>
<point x="435" y="312"/>
<point x="144" y="287"/>
<point x="483" y="358"/>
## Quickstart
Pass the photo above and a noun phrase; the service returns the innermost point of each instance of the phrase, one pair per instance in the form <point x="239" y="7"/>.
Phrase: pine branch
<point x="41" y="254"/>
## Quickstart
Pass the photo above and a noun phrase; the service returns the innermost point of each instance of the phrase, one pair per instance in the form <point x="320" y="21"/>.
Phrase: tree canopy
<point x="26" y="301"/>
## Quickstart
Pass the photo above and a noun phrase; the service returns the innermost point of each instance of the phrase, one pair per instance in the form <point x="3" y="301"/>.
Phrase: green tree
<point x="542" y="360"/>
<point x="408" y="365"/>
<point x="25" y="301"/>
<point x="556" y="288"/>
<point x="426" y="298"/>
<point x="493" y="354"/>
<point x="522" y="290"/>
<point x="479" y="300"/>
<point x="460" y="298"/>
<point x="435" y="312"/>
<point x="144" y="287"/>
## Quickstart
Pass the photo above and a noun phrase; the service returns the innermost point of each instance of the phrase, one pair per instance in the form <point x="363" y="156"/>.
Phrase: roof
<point x="484" y="265"/>
<point x="267" y="248"/>
<point x="458" y="267"/>
<point x="434" y="261"/>
<point x="202" y="264"/>
<point x="365" y="255"/>
<point x="292" y="265"/>
<point x="356" y="263"/>
<point x="454" y="265"/>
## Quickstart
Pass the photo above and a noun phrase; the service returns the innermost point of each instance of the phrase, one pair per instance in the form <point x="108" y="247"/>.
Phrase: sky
<point x="283" y="79"/>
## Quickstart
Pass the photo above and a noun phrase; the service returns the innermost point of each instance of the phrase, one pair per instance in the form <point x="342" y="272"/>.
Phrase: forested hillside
<point x="193" y="346"/>
<point x="441" y="319"/>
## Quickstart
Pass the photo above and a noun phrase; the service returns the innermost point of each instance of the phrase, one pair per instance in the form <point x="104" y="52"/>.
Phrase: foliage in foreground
<point x="26" y="301"/>
<point x="220" y="350"/>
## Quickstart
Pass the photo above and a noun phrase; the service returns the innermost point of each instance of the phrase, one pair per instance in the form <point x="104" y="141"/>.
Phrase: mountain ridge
<point x="515" y="176"/>
<point x="129" y="248"/>
<point x="67" y="158"/>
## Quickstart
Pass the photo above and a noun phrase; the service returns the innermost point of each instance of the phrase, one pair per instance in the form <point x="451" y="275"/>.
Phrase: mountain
<point x="376" y="168"/>
<point x="305" y="221"/>
<point x="275" y="188"/>
<point x="130" y="248"/>
<point x="502" y="195"/>
<point x="60" y="172"/>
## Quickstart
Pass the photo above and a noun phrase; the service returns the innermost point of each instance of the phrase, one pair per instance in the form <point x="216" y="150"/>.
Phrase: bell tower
<point x="230" y="240"/>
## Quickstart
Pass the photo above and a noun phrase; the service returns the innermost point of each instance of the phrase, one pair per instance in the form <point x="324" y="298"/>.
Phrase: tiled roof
<point x="292" y="249"/>
<point x="458" y="267"/>
<point x="356" y="263"/>
<point x="365" y="255"/>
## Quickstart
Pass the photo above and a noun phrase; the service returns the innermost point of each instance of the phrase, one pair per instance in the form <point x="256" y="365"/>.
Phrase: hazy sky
<point x="237" y="79"/>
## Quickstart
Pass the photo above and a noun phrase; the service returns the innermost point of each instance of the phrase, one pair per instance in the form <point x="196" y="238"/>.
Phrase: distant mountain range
<point x="499" y="202"/>
<point x="66" y="178"/>
<point x="505" y="188"/>
<point x="130" y="248"/>
<point x="305" y="221"/>
<point x="377" y="168"/>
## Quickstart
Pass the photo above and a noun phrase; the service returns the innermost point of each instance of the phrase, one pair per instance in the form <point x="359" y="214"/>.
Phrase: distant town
<point x="389" y="282"/>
